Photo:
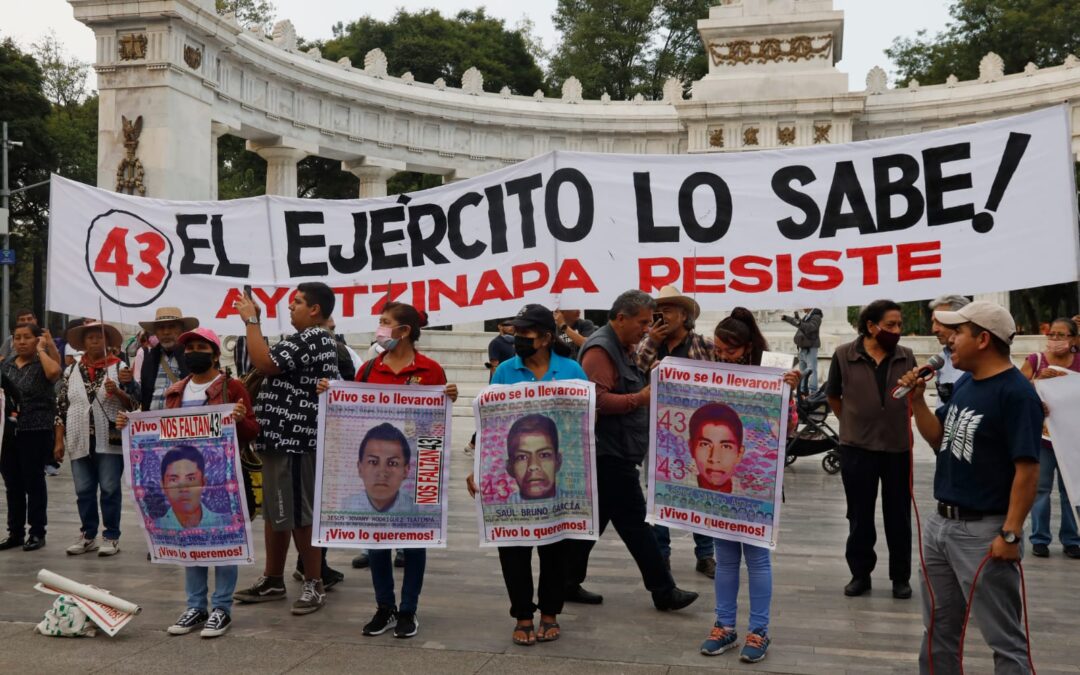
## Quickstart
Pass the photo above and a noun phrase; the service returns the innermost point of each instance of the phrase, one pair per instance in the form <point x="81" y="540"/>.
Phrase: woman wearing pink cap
<point x="206" y="385"/>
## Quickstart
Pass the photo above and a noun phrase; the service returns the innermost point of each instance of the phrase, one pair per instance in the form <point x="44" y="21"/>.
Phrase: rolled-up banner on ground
<point x="535" y="463"/>
<point x="183" y="466"/>
<point x="827" y="225"/>
<point x="383" y="466"/>
<point x="1062" y="398"/>
<point x="107" y="611"/>
<point x="716" y="449"/>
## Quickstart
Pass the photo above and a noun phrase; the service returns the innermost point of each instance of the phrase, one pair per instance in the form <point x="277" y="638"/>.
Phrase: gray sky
<point x="870" y="25"/>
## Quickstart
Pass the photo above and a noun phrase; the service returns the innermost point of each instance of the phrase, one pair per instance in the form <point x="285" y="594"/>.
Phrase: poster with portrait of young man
<point x="716" y="449"/>
<point x="183" y="468"/>
<point x="535" y="463"/>
<point x="382" y="466"/>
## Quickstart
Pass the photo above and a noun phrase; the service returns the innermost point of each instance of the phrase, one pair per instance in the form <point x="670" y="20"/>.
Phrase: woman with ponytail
<point x="739" y="340"/>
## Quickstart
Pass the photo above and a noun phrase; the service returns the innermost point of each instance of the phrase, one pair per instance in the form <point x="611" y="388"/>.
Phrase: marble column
<point x="281" y="156"/>
<point x="373" y="174"/>
<point x="217" y="130"/>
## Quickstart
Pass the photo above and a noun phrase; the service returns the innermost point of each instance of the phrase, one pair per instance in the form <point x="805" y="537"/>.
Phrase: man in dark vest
<point x="164" y="364"/>
<point x="622" y="443"/>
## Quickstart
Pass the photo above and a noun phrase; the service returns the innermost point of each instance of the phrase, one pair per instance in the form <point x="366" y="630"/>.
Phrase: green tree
<point x="1042" y="32"/>
<point x="605" y="45"/>
<point x="249" y="12"/>
<point x="430" y="46"/>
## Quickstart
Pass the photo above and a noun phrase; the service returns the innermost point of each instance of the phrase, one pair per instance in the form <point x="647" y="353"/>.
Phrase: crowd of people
<point x="68" y="400"/>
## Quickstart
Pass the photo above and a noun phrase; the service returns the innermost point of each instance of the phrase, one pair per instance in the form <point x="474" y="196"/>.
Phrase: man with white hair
<point x="948" y="374"/>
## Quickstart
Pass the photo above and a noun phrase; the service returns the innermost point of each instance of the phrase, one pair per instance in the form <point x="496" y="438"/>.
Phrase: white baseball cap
<point x="989" y="316"/>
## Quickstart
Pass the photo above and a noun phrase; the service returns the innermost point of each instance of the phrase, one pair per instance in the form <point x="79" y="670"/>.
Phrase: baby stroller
<point x="813" y="434"/>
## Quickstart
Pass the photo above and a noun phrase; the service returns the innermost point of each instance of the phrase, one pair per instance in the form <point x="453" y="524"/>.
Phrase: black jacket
<point x="148" y="376"/>
<point x="808" y="335"/>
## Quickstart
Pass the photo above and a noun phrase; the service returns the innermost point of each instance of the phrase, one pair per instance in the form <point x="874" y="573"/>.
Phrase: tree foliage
<point x="430" y="46"/>
<point x="249" y="13"/>
<point x="1042" y="32"/>
<point x="627" y="47"/>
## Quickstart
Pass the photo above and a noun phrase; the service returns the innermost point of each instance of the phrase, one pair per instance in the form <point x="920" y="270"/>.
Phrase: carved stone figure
<point x="375" y="63"/>
<point x="716" y="138"/>
<point x="876" y="81"/>
<point x="571" y="90"/>
<point x="750" y="136"/>
<point x="133" y="46"/>
<point x="821" y="133"/>
<point x="785" y="135"/>
<point x="129" y="174"/>
<point x="472" y="82"/>
<point x="192" y="57"/>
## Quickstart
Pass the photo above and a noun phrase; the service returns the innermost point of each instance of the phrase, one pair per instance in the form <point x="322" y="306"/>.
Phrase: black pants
<point x="516" y="562"/>
<point x="22" y="463"/>
<point x="623" y="505"/>
<point x="861" y="471"/>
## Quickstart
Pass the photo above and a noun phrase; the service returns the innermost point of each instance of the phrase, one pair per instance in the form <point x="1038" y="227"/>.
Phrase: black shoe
<point x="399" y="558"/>
<point x="901" y="590"/>
<point x="407" y="625"/>
<point x="1073" y="552"/>
<point x="331" y="577"/>
<point x="1040" y="550"/>
<point x="578" y="594"/>
<point x="11" y="542"/>
<point x="361" y="561"/>
<point x="33" y="543"/>
<point x="857" y="586"/>
<point x="385" y="618"/>
<point x="707" y="566"/>
<point x="676" y="598"/>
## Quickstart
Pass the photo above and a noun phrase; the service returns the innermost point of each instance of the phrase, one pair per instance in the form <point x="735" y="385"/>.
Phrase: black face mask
<point x="199" y="362"/>
<point x="523" y="346"/>
<point x="887" y="339"/>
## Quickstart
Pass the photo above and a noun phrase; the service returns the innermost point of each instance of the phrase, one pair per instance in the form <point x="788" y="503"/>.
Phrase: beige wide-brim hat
<point x="669" y="295"/>
<point x="168" y="315"/>
<point x="75" y="336"/>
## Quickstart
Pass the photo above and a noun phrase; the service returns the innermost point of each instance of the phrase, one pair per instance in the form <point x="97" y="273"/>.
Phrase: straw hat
<point x="669" y="295"/>
<point x="167" y="315"/>
<point x="112" y="335"/>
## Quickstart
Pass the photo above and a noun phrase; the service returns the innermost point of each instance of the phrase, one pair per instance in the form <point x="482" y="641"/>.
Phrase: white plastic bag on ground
<point x="65" y="619"/>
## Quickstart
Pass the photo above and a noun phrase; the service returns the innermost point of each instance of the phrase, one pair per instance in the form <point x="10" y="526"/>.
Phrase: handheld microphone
<point x="934" y="364"/>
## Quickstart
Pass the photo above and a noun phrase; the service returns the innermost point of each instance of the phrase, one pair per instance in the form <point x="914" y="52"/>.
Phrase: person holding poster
<point x="987" y="442"/>
<point x="717" y="445"/>
<point x="529" y="454"/>
<point x="622" y="443"/>
<point x="875" y="444"/>
<point x="91" y="396"/>
<point x="399" y="363"/>
<point x="183" y="479"/>
<point x="1062" y="353"/>
<point x="672" y="334"/>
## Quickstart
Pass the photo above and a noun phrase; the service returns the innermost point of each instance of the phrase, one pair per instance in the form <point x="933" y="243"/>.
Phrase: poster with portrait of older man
<point x="183" y="468"/>
<point x="535" y="467"/>
<point x="382" y="466"/>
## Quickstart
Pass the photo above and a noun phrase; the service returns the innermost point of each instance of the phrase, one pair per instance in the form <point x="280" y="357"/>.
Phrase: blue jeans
<point x="196" y="586"/>
<point x="703" y="546"/>
<point x="759" y="568"/>
<point x="382" y="577"/>
<point x="1040" y="510"/>
<point x="94" y="473"/>
<point x="808" y="364"/>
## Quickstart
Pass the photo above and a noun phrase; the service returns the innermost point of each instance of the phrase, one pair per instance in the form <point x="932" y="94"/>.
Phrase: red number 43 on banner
<point x="129" y="260"/>
<point x="113" y="258"/>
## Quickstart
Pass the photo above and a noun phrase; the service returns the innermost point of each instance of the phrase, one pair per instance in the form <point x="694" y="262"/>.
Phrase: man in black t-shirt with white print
<point x="287" y="407"/>
<point x="987" y="439"/>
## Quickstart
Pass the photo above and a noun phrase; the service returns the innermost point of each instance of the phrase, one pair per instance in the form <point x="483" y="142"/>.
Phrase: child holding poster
<point x="717" y="447"/>
<point x="183" y="479"/>
<point x="532" y="462"/>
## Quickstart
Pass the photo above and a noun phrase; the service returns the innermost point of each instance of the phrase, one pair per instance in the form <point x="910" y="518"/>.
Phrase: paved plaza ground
<point x="464" y="622"/>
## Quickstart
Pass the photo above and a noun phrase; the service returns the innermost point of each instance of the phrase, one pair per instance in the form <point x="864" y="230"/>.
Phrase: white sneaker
<point x="109" y="547"/>
<point x="83" y="545"/>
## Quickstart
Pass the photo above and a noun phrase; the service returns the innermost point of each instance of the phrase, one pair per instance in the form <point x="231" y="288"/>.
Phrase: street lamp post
<point x="6" y="145"/>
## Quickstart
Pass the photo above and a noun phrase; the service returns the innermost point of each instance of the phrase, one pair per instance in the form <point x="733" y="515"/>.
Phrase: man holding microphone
<point x="987" y="444"/>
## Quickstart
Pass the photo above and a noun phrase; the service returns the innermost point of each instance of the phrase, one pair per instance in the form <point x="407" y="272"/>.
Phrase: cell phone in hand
<point x="247" y="291"/>
<point x="657" y="318"/>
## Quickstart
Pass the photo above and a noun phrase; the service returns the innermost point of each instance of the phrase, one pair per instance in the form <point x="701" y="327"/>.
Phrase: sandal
<point x="524" y="635"/>
<point x="545" y="634"/>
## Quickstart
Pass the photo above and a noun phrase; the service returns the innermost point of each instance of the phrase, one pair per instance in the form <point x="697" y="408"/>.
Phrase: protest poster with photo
<point x="716" y="449"/>
<point x="183" y="466"/>
<point x="383" y="466"/>
<point x="535" y="463"/>
<point x="1062" y="398"/>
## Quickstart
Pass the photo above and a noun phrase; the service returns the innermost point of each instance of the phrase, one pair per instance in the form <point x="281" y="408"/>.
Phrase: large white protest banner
<point x="183" y="466"/>
<point x="716" y="449"/>
<point x="382" y="467"/>
<point x="899" y="217"/>
<point x="535" y="463"/>
<point x="1062" y="398"/>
